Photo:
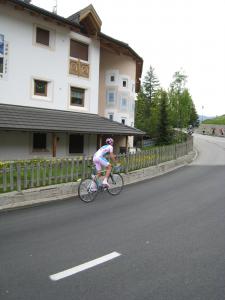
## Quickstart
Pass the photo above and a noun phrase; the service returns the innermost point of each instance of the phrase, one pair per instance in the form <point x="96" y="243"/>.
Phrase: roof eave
<point x="35" y="9"/>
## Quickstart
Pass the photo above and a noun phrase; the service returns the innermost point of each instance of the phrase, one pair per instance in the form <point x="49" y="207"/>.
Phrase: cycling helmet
<point x="109" y="141"/>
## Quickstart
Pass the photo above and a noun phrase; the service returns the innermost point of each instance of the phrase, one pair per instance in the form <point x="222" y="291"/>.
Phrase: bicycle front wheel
<point x="116" y="183"/>
<point x="87" y="190"/>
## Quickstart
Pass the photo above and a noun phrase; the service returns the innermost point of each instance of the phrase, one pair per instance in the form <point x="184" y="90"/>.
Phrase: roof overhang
<point x="34" y="10"/>
<point x="24" y="118"/>
<point x="90" y="20"/>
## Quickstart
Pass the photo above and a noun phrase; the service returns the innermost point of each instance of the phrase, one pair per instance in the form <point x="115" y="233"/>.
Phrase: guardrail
<point x="21" y="175"/>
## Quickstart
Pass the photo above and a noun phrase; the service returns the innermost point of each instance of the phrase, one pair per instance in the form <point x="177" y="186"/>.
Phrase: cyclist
<point x="100" y="161"/>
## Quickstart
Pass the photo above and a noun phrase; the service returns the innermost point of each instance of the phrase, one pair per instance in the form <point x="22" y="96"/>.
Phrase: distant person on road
<point x="100" y="161"/>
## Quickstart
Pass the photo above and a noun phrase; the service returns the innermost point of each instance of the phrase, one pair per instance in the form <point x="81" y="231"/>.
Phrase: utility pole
<point x="202" y="112"/>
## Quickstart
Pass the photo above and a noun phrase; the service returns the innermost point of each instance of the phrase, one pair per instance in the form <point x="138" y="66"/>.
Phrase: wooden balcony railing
<point x="79" y="68"/>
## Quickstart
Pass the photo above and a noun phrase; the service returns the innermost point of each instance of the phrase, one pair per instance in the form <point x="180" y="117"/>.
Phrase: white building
<point x="51" y="63"/>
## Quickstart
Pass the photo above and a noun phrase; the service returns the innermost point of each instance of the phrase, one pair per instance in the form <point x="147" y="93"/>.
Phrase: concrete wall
<point x="28" y="60"/>
<point x="219" y="130"/>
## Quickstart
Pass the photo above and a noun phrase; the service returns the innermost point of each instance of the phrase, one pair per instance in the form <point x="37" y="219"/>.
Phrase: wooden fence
<point x="19" y="175"/>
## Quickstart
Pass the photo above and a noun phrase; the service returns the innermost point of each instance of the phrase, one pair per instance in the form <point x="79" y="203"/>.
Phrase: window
<point x="111" y="97"/>
<point x="77" y="96"/>
<point x="111" y="116"/>
<point x="39" y="141"/>
<point x="76" y="143"/>
<point x="78" y="50"/>
<point x="124" y="82"/>
<point x="123" y="103"/>
<point x="40" y="87"/>
<point x="132" y="107"/>
<point x="112" y="78"/>
<point x="42" y="36"/>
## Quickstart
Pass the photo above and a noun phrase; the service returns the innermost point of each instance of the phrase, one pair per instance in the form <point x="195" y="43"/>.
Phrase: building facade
<point x="52" y="63"/>
<point x="120" y="71"/>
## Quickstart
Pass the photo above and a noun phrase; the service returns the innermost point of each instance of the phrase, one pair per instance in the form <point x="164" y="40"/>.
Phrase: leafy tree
<point x="179" y="81"/>
<point x="180" y="101"/>
<point x="157" y="111"/>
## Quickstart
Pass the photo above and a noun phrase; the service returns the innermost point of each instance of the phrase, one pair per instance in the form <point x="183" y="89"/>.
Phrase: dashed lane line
<point x="84" y="266"/>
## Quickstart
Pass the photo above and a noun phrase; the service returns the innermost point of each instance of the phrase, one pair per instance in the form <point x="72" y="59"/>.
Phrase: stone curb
<point x="37" y="196"/>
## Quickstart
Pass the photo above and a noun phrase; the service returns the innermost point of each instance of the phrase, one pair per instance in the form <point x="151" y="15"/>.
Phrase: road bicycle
<point x="90" y="187"/>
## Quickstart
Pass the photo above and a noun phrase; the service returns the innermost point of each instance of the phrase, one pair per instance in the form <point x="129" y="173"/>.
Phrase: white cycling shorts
<point x="100" y="162"/>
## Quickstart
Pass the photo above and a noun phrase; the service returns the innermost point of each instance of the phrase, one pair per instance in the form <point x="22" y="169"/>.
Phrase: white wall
<point x="18" y="145"/>
<point x="26" y="60"/>
<point x="122" y="67"/>
<point x="14" y="145"/>
<point x="120" y="92"/>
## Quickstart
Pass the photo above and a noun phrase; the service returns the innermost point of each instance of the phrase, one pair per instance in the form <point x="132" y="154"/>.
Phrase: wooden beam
<point x="126" y="143"/>
<point x="54" y="144"/>
<point x="33" y="14"/>
<point x="110" y="48"/>
<point x="18" y="7"/>
<point x="47" y="19"/>
<point x="116" y="49"/>
<point x="75" y="29"/>
<point x="60" y="24"/>
<point x="99" y="141"/>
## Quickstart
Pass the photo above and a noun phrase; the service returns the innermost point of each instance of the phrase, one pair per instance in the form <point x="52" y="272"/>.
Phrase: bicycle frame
<point x="90" y="187"/>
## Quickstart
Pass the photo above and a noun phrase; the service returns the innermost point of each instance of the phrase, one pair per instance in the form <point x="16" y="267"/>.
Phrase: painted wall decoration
<point x="4" y="48"/>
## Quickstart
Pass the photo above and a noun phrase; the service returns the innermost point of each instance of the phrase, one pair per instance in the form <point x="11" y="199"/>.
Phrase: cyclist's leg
<point x="98" y="167"/>
<point x="105" y="163"/>
<point x="108" y="171"/>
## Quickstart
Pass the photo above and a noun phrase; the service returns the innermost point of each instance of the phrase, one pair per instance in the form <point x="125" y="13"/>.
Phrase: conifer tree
<point x="194" y="118"/>
<point x="150" y="85"/>
<point x="140" y="111"/>
<point x="163" y="127"/>
<point x="144" y="103"/>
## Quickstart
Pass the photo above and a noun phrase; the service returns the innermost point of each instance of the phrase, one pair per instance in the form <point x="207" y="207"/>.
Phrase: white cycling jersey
<point x="104" y="150"/>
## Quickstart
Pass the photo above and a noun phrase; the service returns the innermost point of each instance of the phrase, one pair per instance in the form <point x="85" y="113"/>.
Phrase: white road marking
<point x="84" y="266"/>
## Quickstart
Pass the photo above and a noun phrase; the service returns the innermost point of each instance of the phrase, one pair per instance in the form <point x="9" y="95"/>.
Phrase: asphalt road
<point x="164" y="239"/>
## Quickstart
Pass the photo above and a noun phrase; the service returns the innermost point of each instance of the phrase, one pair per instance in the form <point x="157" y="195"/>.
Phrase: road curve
<point x="160" y="239"/>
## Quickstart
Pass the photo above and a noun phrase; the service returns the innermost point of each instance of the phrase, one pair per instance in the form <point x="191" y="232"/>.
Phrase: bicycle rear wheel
<point x="86" y="190"/>
<point x="116" y="183"/>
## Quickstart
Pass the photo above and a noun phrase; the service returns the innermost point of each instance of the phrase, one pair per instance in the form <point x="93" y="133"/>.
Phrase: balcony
<point x="79" y="68"/>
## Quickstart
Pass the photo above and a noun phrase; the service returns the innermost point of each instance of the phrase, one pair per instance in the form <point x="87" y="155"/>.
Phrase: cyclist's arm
<point x="112" y="156"/>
